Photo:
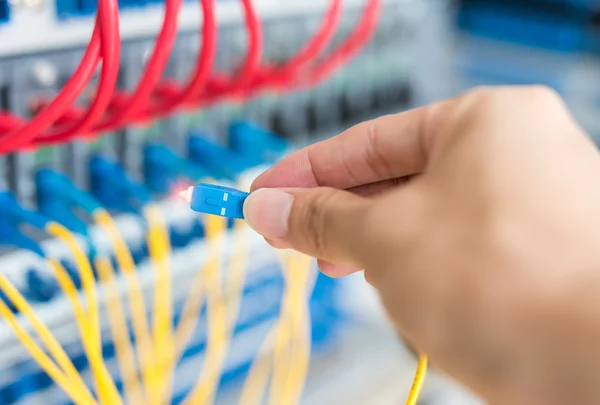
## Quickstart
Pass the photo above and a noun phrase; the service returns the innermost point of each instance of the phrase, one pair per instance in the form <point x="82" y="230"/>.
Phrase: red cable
<point x="170" y="95"/>
<point x="138" y="102"/>
<point x="111" y="50"/>
<point x="359" y="37"/>
<point x="251" y="77"/>
<point x="221" y="84"/>
<point x="22" y="136"/>
<point x="314" y="48"/>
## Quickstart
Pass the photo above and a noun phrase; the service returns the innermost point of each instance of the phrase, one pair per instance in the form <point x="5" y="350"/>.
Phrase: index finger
<point x="384" y="148"/>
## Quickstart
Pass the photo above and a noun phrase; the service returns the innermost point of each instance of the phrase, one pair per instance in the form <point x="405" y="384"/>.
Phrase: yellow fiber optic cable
<point x="415" y="390"/>
<point x="53" y="346"/>
<point x="120" y="333"/>
<point x="141" y="330"/>
<point x="203" y="390"/>
<point x="288" y="353"/>
<point x="234" y="285"/>
<point x="299" y="323"/>
<point x="105" y="385"/>
<point x="159" y="248"/>
<point x="89" y="325"/>
<point x="76" y="390"/>
<point x="278" y="339"/>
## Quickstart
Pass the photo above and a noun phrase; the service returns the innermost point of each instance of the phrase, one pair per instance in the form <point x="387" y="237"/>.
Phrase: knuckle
<point x="315" y="220"/>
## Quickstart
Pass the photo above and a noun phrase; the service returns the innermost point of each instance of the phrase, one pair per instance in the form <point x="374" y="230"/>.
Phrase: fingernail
<point x="267" y="210"/>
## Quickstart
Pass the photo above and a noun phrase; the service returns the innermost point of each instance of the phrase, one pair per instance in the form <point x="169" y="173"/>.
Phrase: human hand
<point x="475" y="219"/>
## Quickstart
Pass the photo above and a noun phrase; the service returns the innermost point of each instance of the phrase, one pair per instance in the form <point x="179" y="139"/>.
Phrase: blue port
<point x="524" y="27"/>
<point x="132" y="3"/>
<point x="483" y="71"/>
<point x="68" y="8"/>
<point x="4" y="11"/>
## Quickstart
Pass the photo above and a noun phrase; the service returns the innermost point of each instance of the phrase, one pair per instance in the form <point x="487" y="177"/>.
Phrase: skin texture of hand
<point x="477" y="221"/>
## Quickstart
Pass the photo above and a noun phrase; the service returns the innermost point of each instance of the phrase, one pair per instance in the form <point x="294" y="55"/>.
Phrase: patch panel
<point x="145" y="161"/>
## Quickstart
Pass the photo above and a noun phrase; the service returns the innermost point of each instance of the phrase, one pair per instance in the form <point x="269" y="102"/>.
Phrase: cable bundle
<point x="147" y="361"/>
<point x="60" y="120"/>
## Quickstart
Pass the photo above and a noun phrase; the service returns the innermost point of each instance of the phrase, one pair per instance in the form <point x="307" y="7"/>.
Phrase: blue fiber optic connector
<point x="220" y="160"/>
<point x="162" y="168"/>
<point x="218" y="200"/>
<point x="255" y="144"/>
<point x="4" y="11"/>
<point x="57" y="196"/>
<point x="12" y="215"/>
<point x="39" y="287"/>
<point x="114" y="188"/>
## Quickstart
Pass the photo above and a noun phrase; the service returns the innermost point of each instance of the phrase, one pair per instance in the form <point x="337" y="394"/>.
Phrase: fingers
<point x="336" y="270"/>
<point x="381" y="149"/>
<point x="321" y="222"/>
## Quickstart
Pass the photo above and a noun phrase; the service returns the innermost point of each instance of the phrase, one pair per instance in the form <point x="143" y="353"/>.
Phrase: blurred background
<point x="419" y="51"/>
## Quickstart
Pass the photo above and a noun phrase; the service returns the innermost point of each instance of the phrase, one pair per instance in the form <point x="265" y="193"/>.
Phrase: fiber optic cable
<point x="111" y="51"/>
<point x="141" y="330"/>
<point x="204" y="388"/>
<point x="299" y="324"/>
<point x="351" y="46"/>
<point x="275" y="75"/>
<point x="54" y="348"/>
<point x="203" y="68"/>
<point x="159" y="248"/>
<point x="88" y="322"/>
<point x="278" y="340"/>
<point x="107" y="391"/>
<point x="120" y="333"/>
<point x="196" y="293"/>
<point x="79" y="395"/>
<point x="141" y="95"/>
<point x="415" y="390"/>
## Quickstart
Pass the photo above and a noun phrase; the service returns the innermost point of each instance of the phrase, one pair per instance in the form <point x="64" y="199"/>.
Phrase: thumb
<point x="322" y="222"/>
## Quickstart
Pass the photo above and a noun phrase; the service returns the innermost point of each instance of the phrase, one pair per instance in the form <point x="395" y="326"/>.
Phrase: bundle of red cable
<point x="60" y="121"/>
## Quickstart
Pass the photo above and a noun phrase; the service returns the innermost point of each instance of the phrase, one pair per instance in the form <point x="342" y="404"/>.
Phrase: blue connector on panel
<point x="256" y="145"/>
<point x="57" y="196"/>
<point x="510" y="24"/>
<point x="217" y="200"/>
<point x="4" y="11"/>
<point x="163" y="167"/>
<point x="219" y="160"/>
<point x="39" y="287"/>
<point x="12" y="215"/>
<point x="114" y="188"/>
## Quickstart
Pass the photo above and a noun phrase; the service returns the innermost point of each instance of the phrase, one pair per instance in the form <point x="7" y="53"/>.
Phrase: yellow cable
<point x="54" y="347"/>
<point x="278" y="339"/>
<point x="292" y="356"/>
<point x="137" y="305"/>
<point x="120" y="334"/>
<point x="159" y="248"/>
<point x="258" y="376"/>
<point x="415" y="390"/>
<point x="89" y="325"/>
<point x="238" y="264"/>
<point x="76" y="390"/>
<point x="101" y="375"/>
<point x="301" y="332"/>
<point x="215" y="352"/>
